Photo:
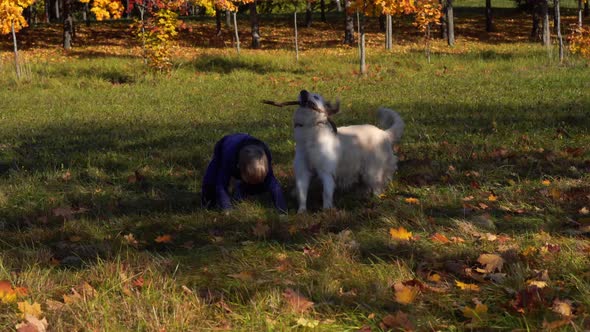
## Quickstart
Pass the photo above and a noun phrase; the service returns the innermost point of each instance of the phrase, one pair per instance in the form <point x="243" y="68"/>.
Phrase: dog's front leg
<point x="328" y="185"/>
<point x="302" y="179"/>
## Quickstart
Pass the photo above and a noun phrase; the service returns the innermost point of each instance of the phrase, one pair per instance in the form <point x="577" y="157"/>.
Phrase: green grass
<point x="481" y="119"/>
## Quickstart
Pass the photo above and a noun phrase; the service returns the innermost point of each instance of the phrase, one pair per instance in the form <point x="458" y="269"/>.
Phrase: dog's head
<point x="317" y="103"/>
<point x="314" y="110"/>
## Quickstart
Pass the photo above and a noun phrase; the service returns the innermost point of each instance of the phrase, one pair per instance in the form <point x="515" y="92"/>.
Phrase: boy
<point x="246" y="159"/>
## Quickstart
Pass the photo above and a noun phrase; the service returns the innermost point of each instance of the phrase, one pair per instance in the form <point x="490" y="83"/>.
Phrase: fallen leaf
<point x="130" y="238"/>
<point x="32" y="324"/>
<point x="546" y="182"/>
<point x="492" y="198"/>
<point x="400" y="234"/>
<point x="412" y="200"/>
<point x="435" y="277"/>
<point x="478" y="313"/>
<point x="53" y="305"/>
<point x="309" y="323"/>
<point x="537" y="283"/>
<point x="405" y="294"/>
<point x="297" y="302"/>
<point x="467" y="287"/>
<point x="468" y="198"/>
<point x="166" y="238"/>
<point x="440" y="238"/>
<point x="563" y="308"/>
<point x="398" y="322"/>
<point x="491" y="262"/>
<point x="584" y="211"/>
<point x="27" y="308"/>
<point x="261" y="229"/>
<point x="244" y="276"/>
<point x="311" y="252"/>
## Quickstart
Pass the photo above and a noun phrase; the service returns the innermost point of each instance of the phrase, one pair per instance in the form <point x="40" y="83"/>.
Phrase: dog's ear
<point x="333" y="109"/>
<point x="303" y="97"/>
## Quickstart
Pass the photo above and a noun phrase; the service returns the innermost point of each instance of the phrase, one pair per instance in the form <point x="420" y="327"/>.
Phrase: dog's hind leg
<point x="302" y="179"/>
<point x="328" y="189"/>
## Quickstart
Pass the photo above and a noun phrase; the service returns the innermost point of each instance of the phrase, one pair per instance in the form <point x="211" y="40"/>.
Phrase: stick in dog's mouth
<point x="277" y="104"/>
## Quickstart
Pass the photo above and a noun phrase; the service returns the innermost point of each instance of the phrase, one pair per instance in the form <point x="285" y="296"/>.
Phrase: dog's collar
<point x="327" y="122"/>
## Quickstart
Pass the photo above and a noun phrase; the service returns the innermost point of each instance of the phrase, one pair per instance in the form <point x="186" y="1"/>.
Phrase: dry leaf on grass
<point x="477" y="313"/>
<point x="32" y="309"/>
<point x="467" y="287"/>
<point x="166" y="238"/>
<point x="563" y="308"/>
<point x="297" y="302"/>
<point x="400" y="234"/>
<point x="491" y="262"/>
<point x="32" y="324"/>
<point x="440" y="238"/>
<point x="399" y="321"/>
<point x="405" y="294"/>
<point x="261" y="229"/>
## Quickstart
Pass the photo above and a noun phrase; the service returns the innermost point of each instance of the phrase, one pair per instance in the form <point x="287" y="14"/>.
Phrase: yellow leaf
<point x="412" y="200"/>
<point x="400" y="234"/>
<point x="468" y="287"/>
<point x="584" y="210"/>
<point x="27" y="308"/>
<point x="537" y="283"/>
<point x="478" y="312"/>
<point x="492" y="198"/>
<point x="546" y="182"/>
<point x="434" y="277"/>
<point x="563" y="308"/>
<point x="405" y="294"/>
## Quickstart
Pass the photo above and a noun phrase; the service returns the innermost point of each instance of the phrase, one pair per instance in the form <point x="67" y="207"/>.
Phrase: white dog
<point x="341" y="156"/>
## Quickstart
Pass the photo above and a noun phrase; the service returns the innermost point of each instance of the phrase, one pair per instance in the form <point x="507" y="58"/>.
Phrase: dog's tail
<point x="392" y="123"/>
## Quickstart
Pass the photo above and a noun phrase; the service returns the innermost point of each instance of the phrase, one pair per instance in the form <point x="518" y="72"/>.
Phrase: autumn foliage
<point x="580" y="42"/>
<point x="11" y="13"/>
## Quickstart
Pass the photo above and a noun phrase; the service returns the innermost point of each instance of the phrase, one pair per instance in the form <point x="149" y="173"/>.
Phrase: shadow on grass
<point x="226" y="65"/>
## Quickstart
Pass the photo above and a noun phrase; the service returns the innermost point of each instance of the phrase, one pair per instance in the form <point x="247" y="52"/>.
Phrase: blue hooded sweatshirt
<point x="224" y="166"/>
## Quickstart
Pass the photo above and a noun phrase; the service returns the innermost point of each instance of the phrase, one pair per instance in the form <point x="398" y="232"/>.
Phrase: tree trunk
<point x="558" y="28"/>
<point x="362" y="51"/>
<point x="535" y="29"/>
<point x="388" y="32"/>
<point x="580" y="14"/>
<point x="228" y="18"/>
<point x="87" y="14"/>
<point x="323" y="10"/>
<point x="16" y="65"/>
<point x="338" y="5"/>
<point x="57" y="10"/>
<point x="296" y="42"/>
<point x="443" y="20"/>
<point x="450" y="24"/>
<point x="382" y="22"/>
<point x="546" y="28"/>
<point x="254" y="25"/>
<point x="217" y="22"/>
<point x="308" y="14"/>
<point x="587" y="8"/>
<point x="489" y="17"/>
<point x="237" y="36"/>
<point x="126" y="9"/>
<point x="68" y="24"/>
<point x="348" y="24"/>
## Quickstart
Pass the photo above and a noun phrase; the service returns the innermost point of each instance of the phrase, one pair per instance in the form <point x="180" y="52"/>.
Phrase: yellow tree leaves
<point x="107" y="9"/>
<point x="11" y="13"/>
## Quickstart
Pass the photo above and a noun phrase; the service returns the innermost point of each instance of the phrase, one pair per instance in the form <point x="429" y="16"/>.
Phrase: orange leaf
<point x="166" y="238"/>
<point x="297" y="302"/>
<point x="440" y="238"/>
<point x="412" y="200"/>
